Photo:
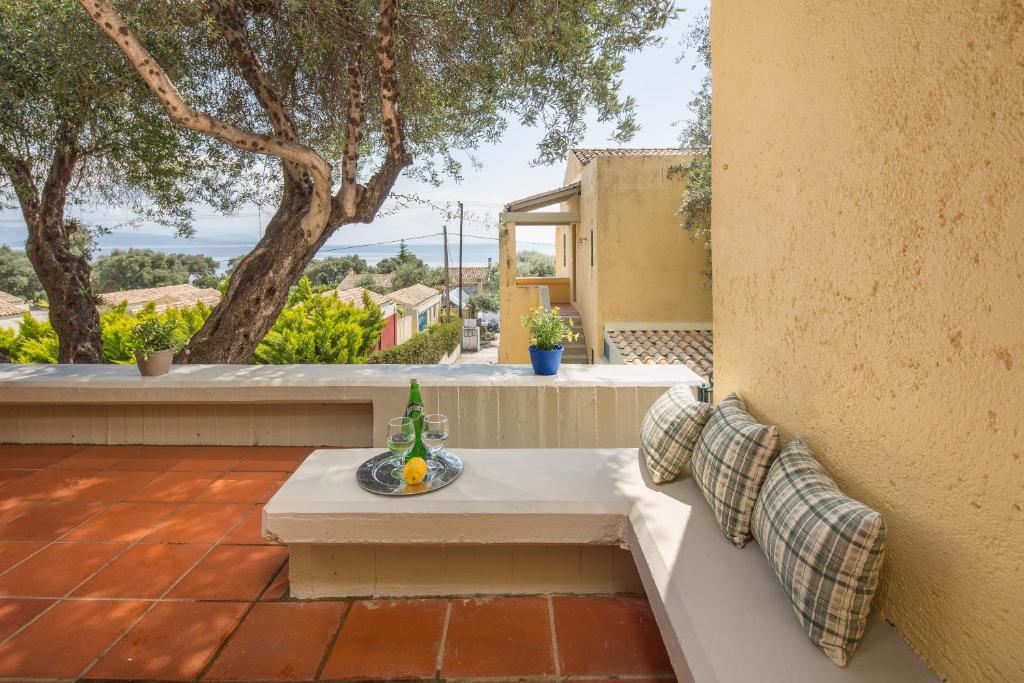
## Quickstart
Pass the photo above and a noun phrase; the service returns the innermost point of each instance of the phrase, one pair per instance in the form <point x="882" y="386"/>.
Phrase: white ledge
<point x="65" y="384"/>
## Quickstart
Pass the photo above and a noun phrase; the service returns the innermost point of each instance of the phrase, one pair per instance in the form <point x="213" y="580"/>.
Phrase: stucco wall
<point x="869" y="285"/>
<point x="651" y="271"/>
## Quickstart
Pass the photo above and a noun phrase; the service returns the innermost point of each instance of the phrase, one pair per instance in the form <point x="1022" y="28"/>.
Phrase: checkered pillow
<point x="730" y="463"/>
<point x="826" y="549"/>
<point x="670" y="431"/>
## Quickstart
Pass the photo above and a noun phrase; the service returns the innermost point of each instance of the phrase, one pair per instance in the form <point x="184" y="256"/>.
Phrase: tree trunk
<point x="65" y="277"/>
<point x="258" y="290"/>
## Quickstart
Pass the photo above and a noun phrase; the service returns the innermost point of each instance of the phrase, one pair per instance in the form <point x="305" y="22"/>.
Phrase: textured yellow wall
<point x="651" y="271"/>
<point x="869" y="284"/>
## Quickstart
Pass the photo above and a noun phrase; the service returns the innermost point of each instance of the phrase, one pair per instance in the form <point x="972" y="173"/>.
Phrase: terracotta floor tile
<point x="107" y="486"/>
<point x="143" y="571"/>
<point x="48" y="521"/>
<point x="499" y="637"/>
<point x="174" y="641"/>
<point x="174" y="486"/>
<point x="232" y="572"/>
<point x="36" y="457"/>
<point x="250" y="531"/>
<point x="15" y="613"/>
<point x="7" y="476"/>
<point x="370" y="638"/>
<point x="273" y="459"/>
<point x="93" y="457"/>
<point x="212" y="459"/>
<point x="278" y="588"/>
<point x="45" y="484"/>
<point x="12" y="508"/>
<point x="153" y="458"/>
<point x="13" y="552"/>
<point x="197" y="523"/>
<point x="627" y="642"/>
<point x="279" y="641"/>
<point x="243" y="487"/>
<point x="62" y="642"/>
<point x="57" y="569"/>
<point x="122" y="522"/>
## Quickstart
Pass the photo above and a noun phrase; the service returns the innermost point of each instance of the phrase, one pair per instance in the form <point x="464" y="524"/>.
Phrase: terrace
<point x="148" y="562"/>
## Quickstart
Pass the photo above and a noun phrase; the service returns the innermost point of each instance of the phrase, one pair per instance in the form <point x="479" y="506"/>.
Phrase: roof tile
<point x="692" y="348"/>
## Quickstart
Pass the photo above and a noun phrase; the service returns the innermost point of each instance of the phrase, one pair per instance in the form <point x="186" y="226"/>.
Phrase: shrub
<point x="423" y="349"/>
<point x="547" y="329"/>
<point x="317" y="328"/>
<point x="152" y="334"/>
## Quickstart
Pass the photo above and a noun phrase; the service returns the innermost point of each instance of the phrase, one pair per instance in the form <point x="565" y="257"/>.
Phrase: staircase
<point x="575" y="351"/>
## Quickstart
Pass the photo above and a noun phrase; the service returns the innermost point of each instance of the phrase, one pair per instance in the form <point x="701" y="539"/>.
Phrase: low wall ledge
<point x="63" y="384"/>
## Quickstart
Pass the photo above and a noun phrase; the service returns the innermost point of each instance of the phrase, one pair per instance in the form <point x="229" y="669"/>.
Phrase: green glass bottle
<point x="414" y="411"/>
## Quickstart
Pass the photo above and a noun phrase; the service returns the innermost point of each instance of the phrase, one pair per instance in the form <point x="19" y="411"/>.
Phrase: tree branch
<point x="390" y="118"/>
<point x="232" y="28"/>
<point x="350" y="190"/>
<point x="20" y="173"/>
<point x="106" y="16"/>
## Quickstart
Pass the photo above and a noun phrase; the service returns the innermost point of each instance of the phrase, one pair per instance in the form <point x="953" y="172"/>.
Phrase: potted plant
<point x="155" y="344"/>
<point x="547" y="329"/>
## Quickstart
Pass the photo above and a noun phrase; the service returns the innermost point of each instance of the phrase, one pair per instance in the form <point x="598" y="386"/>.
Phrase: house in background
<point x="623" y="262"/>
<point x="171" y="296"/>
<point x="383" y="281"/>
<point x="418" y="306"/>
<point x="387" y="306"/>
<point x="474" y="278"/>
<point x="11" y="310"/>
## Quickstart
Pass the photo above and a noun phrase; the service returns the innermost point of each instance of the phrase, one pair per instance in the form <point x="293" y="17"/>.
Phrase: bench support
<point x="348" y="570"/>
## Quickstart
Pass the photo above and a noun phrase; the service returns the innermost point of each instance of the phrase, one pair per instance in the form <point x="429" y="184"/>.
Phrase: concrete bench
<point x="722" y="614"/>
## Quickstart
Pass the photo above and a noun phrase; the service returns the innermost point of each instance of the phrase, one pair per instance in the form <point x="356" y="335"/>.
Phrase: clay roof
<point x="546" y="198"/>
<point x="11" y="305"/>
<point x="586" y="155"/>
<point x="410" y="296"/>
<point x="692" y="348"/>
<point x="354" y="296"/>
<point x="164" y="297"/>
<point x="471" y="275"/>
<point x="383" y="280"/>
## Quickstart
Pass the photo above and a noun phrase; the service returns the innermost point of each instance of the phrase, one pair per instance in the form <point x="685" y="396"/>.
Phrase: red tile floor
<point x="145" y="562"/>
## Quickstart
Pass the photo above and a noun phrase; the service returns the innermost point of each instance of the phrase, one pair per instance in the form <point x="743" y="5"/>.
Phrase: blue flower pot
<point x="546" y="362"/>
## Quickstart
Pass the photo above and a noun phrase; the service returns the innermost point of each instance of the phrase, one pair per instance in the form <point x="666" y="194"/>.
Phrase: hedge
<point x="422" y="349"/>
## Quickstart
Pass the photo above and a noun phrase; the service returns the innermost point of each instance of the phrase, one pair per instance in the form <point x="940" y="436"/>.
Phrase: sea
<point x="474" y="253"/>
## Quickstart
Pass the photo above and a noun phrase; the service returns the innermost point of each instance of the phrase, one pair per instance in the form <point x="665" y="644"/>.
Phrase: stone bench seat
<point x="721" y="611"/>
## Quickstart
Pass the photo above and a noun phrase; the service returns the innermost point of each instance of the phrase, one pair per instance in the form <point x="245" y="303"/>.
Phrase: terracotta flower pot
<point x="157" y="363"/>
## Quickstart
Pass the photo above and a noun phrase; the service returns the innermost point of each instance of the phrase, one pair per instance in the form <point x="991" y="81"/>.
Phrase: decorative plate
<point x="377" y="475"/>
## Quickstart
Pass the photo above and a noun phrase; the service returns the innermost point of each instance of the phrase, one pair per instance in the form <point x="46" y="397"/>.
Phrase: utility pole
<point x="460" y="260"/>
<point x="447" y="291"/>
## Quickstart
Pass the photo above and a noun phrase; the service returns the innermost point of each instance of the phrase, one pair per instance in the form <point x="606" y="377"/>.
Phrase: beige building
<point x="418" y="306"/>
<point x="12" y="310"/>
<point x="622" y="259"/>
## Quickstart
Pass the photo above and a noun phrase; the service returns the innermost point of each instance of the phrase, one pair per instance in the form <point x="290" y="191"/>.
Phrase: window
<point x="422" y="321"/>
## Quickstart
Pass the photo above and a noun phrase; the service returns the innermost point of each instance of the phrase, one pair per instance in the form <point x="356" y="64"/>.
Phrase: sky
<point x="661" y="84"/>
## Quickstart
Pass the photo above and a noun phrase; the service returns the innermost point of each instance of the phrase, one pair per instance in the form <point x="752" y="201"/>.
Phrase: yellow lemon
<point x="414" y="471"/>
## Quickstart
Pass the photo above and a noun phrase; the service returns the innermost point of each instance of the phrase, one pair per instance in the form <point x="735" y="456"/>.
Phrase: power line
<point x="376" y="244"/>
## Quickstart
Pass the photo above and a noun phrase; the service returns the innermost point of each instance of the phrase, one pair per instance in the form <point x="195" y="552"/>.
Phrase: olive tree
<point x="696" y="137"/>
<point x="76" y="125"/>
<point x="346" y="94"/>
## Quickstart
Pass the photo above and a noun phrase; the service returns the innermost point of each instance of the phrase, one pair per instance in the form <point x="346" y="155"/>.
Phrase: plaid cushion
<point x="826" y="549"/>
<point x="731" y="461"/>
<point x="670" y="431"/>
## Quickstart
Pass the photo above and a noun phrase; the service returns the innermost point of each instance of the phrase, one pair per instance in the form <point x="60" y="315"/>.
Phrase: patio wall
<point x="869" y="285"/>
<point x="316" y="405"/>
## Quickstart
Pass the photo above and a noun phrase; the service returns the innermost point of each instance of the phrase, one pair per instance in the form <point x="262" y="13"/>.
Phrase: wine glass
<point x="435" y="435"/>
<point x="401" y="439"/>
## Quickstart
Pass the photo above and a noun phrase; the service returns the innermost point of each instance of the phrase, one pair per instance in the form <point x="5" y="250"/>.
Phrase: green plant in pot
<point x="155" y="342"/>
<point x="547" y="330"/>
